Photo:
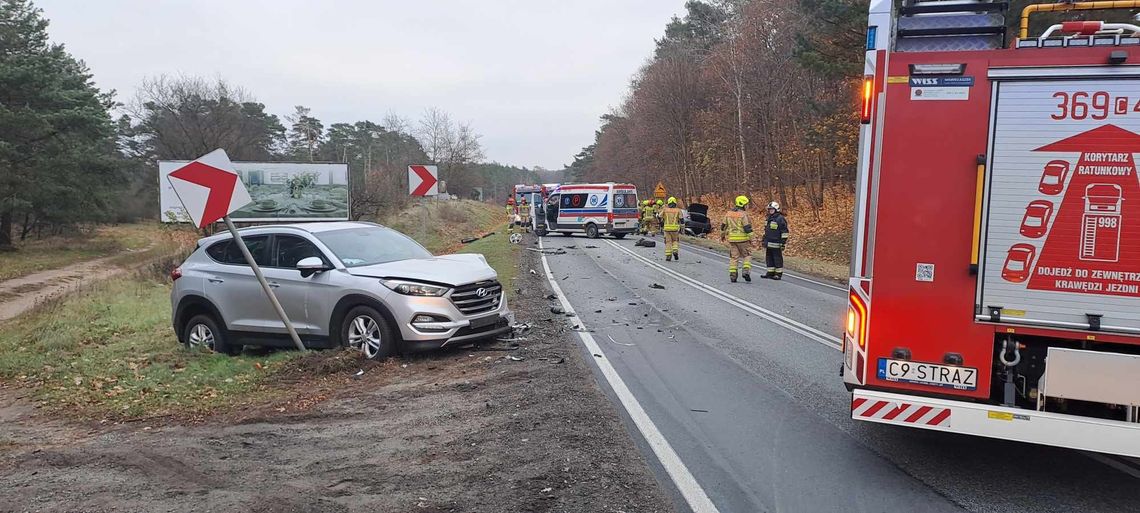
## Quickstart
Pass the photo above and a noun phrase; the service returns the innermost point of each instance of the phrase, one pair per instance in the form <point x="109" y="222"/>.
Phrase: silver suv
<point x="341" y="283"/>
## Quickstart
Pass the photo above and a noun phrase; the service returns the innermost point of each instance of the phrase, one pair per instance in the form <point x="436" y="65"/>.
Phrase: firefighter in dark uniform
<point x="775" y="238"/>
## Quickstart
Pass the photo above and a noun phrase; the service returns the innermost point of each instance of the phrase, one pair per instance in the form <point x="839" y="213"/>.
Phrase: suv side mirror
<point x="310" y="266"/>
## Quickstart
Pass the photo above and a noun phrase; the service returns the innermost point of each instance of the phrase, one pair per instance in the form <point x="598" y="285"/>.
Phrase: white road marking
<point x="1113" y="462"/>
<point x="710" y="252"/>
<point x="690" y="490"/>
<point x="812" y="333"/>
<point x="791" y="324"/>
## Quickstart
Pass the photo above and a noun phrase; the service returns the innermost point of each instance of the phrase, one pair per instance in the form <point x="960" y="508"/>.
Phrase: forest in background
<point x="741" y="96"/>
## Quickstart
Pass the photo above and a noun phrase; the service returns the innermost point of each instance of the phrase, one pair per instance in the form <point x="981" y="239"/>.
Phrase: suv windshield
<point x="371" y="245"/>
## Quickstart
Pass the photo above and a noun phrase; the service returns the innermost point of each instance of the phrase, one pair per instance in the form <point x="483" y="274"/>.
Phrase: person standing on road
<point x="643" y="226"/>
<point x="775" y="238"/>
<point x="737" y="230"/>
<point x="511" y="215"/>
<point x="524" y="214"/>
<point x="671" y="221"/>
<point x="657" y="208"/>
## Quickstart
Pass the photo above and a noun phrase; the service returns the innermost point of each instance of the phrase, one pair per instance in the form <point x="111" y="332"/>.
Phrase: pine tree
<point x="58" y="161"/>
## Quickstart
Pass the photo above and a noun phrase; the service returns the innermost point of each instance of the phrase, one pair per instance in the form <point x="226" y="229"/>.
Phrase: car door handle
<point x="215" y="279"/>
<point x="274" y="284"/>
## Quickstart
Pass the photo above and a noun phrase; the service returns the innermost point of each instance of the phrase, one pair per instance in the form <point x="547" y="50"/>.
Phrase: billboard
<point x="281" y="191"/>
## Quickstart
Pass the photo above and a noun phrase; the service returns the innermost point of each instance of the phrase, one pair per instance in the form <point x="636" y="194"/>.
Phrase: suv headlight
<point x="411" y="288"/>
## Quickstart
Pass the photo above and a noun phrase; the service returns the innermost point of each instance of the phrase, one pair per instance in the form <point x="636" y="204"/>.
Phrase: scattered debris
<point x="564" y="278"/>
<point x="596" y="355"/>
<point x="532" y="271"/>
<point x="487" y="235"/>
<point x="515" y="238"/>
<point x="520" y="327"/>
<point x="514" y="358"/>
<point x="570" y="314"/>
<point x="657" y="286"/>
<point x="359" y="373"/>
<point x="469" y="240"/>
<point x="558" y="251"/>
<point x="551" y="296"/>
<point x="699" y="411"/>
<point x="645" y="243"/>
<point x="631" y="303"/>
<point x="570" y="247"/>
<point x="597" y="311"/>
<point x="558" y="361"/>
<point x="611" y="299"/>
<point x="557" y="310"/>
<point x="590" y="247"/>
<point x="619" y="343"/>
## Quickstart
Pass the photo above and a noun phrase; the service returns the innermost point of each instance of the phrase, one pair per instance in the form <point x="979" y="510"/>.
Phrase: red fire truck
<point x="995" y="285"/>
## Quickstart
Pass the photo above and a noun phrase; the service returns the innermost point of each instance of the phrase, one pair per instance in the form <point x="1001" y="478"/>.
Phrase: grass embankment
<point x="109" y="352"/>
<point x="820" y="241"/>
<point x="129" y="244"/>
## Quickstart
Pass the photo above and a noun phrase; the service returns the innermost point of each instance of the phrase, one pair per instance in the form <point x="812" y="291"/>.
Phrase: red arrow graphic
<point x="220" y="183"/>
<point x="427" y="181"/>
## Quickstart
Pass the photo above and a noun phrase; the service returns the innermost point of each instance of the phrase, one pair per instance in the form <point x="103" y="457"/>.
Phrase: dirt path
<point x="19" y="295"/>
<point x="498" y="429"/>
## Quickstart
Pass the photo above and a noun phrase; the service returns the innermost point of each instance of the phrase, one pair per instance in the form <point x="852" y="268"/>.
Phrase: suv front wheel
<point x="203" y="332"/>
<point x="365" y="329"/>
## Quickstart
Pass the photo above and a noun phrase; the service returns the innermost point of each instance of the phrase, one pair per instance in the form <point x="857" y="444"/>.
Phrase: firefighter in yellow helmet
<point x="646" y="214"/>
<point x="511" y="211"/>
<point x="524" y="215"/>
<point x="671" y="221"/>
<point x="657" y="208"/>
<point x="737" y="231"/>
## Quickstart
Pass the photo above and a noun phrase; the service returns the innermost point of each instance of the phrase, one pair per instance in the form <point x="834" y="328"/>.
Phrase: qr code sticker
<point x="924" y="272"/>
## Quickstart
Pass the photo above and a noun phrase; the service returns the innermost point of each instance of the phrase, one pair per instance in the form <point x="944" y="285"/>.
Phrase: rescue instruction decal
<point x="1094" y="202"/>
<point x="940" y="88"/>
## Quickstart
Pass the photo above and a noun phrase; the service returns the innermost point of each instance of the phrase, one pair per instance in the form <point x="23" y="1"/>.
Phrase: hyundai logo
<point x="481" y="292"/>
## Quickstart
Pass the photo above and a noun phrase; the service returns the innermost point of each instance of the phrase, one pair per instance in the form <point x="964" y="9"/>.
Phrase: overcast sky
<point x="531" y="76"/>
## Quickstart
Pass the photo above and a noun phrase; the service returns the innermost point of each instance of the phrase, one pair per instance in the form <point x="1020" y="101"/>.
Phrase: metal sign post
<point x="264" y="284"/>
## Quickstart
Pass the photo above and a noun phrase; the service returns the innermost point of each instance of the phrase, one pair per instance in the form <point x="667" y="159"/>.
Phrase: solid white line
<point x="791" y="324"/>
<point x="710" y="252"/>
<point x="690" y="490"/>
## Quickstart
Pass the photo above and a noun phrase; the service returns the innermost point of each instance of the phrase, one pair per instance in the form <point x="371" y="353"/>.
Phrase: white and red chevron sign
<point x="899" y="412"/>
<point x="423" y="180"/>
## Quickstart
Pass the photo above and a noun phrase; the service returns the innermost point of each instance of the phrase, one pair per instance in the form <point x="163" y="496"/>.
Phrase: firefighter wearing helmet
<point x="775" y="238"/>
<point x="524" y="214"/>
<point x="655" y="227"/>
<point x="646" y="214"/>
<point x="737" y="231"/>
<point x="671" y="226"/>
<point x="511" y="212"/>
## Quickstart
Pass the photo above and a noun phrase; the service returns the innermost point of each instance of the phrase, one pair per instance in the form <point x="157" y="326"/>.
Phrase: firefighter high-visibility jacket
<point x="646" y="212"/>
<point x="671" y="219"/>
<point x="737" y="226"/>
<point x="775" y="231"/>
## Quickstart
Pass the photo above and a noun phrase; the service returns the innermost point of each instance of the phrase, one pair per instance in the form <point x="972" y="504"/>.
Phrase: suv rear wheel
<point x="365" y="329"/>
<point x="203" y="332"/>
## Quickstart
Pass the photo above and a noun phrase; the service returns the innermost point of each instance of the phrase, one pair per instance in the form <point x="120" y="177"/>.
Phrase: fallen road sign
<point x="209" y="188"/>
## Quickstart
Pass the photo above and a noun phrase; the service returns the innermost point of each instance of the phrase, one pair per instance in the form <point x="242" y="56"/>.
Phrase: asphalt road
<point x="742" y="380"/>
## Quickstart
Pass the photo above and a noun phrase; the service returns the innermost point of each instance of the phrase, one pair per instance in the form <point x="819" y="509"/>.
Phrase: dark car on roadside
<point x="697" y="221"/>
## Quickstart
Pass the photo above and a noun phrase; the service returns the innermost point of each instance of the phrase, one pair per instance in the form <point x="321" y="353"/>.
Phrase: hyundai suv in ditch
<point x="341" y="284"/>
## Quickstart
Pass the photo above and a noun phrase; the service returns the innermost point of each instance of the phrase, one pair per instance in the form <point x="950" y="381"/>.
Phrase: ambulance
<point x="592" y="209"/>
<point x="995" y="272"/>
